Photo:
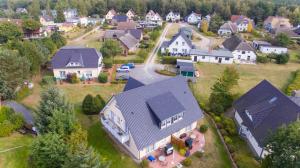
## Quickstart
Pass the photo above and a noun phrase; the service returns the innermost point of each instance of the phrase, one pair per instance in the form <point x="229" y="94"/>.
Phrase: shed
<point x="185" y="68"/>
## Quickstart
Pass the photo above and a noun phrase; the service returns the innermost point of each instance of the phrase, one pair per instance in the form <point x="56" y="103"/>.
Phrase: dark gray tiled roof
<point x="129" y="41"/>
<point x="237" y="43"/>
<point x="269" y="109"/>
<point x="212" y="53"/>
<point x="141" y="122"/>
<point x="183" y="35"/>
<point x="19" y="108"/>
<point x="87" y="57"/>
<point x="229" y="26"/>
<point x="132" y="84"/>
<point x="185" y="65"/>
<point x="137" y="33"/>
<point x="165" y="44"/>
<point x="165" y="106"/>
<point x="120" y="18"/>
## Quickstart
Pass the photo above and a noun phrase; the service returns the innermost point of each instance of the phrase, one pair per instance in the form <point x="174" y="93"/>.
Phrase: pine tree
<point x="88" y="104"/>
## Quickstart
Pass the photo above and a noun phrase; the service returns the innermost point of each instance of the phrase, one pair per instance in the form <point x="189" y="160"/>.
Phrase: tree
<point x="99" y="103"/>
<point x="280" y="58"/>
<point x="215" y="23"/>
<point x="49" y="151"/>
<point x="88" y="104"/>
<point x="60" y="18"/>
<point x="250" y="27"/>
<point x="14" y="70"/>
<point x="221" y="97"/>
<point x="283" y="147"/>
<point x="51" y="46"/>
<point x="62" y="122"/>
<point x="282" y="39"/>
<point x="110" y="48"/>
<point x="34" y="9"/>
<point x="204" y="26"/>
<point x="30" y="25"/>
<point x="53" y="101"/>
<point x="58" y="39"/>
<point x="9" y="31"/>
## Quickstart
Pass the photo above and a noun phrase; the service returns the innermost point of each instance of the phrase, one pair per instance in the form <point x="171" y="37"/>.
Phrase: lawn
<point x="215" y="154"/>
<point x="100" y="140"/>
<point x="16" y="158"/>
<point x="75" y="33"/>
<point x="173" y="30"/>
<point x="93" y="40"/>
<point x="250" y="75"/>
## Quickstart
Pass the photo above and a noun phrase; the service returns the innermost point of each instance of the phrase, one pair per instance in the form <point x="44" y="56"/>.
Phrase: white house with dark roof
<point x="173" y="17"/>
<point x="153" y="17"/>
<point x="242" y="52"/>
<point x="130" y="14"/>
<point x="268" y="48"/>
<point x="242" y="22"/>
<point x="84" y="62"/>
<point x="260" y="112"/>
<point x="212" y="56"/>
<point x="193" y="18"/>
<point x="227" y="29"/>
<point x="143" y="118"/>
<point x="110" y="14"/>
<point x="179" y="45"/>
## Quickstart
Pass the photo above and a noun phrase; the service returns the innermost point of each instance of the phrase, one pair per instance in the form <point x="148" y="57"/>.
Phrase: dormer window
<point x="249" y="116"/>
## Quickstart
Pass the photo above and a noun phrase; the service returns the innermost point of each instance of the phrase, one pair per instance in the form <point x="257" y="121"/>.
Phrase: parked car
<point x="122" y="76"/>
<point x="131" y="65"/>
<point x="123" y="69"/>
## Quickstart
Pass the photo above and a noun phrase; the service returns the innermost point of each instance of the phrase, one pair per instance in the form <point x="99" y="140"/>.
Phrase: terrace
<point x="163" y="161"/>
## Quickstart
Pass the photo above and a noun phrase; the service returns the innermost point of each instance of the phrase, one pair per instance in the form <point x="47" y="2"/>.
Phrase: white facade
<point x="155" y="17"/>
<point x="224" y="32"/>
<point x="242" y="27"/>
<point x="244" y="131"/>
<point x="193" y="18"/>
<point x="130" y="14"/>
<point x="178" y="47"/>
<point x="110" y="14"/>
<point x="173" y="17"/>
<point x="70" y="13"/>
<point x="211" y="59"/>
<point x="244" y="57"/>
<point x="273" y="49"/>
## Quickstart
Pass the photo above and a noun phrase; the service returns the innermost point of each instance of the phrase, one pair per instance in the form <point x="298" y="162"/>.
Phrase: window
<point x="163" y="125"/>
<point x="119" y="120"/>
<point x="149" y="149"/>
<point x="227" y="59"/>
<point x="203" y="57"/>
<point x="239" y="57"/>
<point x="216" y="58"/>
<point x="176" y="42"/>
<point x="169" y="122"/>
<point x="174" y="119"/>
<point x="78" y="72"/>
<point x="248" y="58"/>
<point x="243" y="52"/>
<point x="188" y="128"/>
<point x="62" y="74"/>
<point x="183" y="43"/>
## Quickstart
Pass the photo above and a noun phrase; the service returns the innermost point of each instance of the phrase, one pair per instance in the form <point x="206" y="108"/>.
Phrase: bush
<point x="48" y="80"/>
<point x="203" y="128"/>
<point x="182" y="152"/>
<point x="280" y="58"/>
<point x="187" y="162"/>
<point x="17" y="120"/>
<point x="217" y="119"/>
<point x="99" y="103"/>
<point x="227" y="140"/>
<point x="229" y="126"/>
<point x="22" y="93"/>
<point x="6" y="128"/>
<point x="5" y="113"/>
<point x="102" y="78"/>
<point x="199" y="154"/>
<point x="72" y="78"/>
<point x="172" y="60"/>
<point x="262" y="59"/>
<point x="88" y="104"/>
<point x="142" y="54"/>
<point x="295" y="84"/>
<point x="145" y="163"/>
<point x="107" y="63"/>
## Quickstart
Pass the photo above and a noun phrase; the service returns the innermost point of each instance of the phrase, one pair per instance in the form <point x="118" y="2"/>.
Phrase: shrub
<point x="22" y="93"/>
<point x="107" y="63"/>
<point x="262" y="59"/>
<point x="17" y="120"/>
<point x="203" y="128"/>
<point x="6" y="128"/>
<point x="48" y="80"/>
<point x="182" y="152"/>
<point x="227" y="140"/>
<point x="280" y="58"/>
<point x="99" y="103"/>
<point x="145" y="163"/>
<point x="172" y="60"/>
<point x="187" y="162"/>
<point x="142" y="54"/>
<point x="102" y="78"/>
<point x="295" y="84"/>
<point x="229" y="126"/>
<point x="223" y="132"/>
<point x="88" y="104"/>
<point x="5" y="113"/>
<point x="199" y="154"/>
<point x="217" y="119"/>
<point x="72" y="78"/>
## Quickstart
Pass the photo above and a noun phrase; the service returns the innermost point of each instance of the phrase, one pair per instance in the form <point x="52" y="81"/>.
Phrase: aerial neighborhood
<point x="150" y="83"/>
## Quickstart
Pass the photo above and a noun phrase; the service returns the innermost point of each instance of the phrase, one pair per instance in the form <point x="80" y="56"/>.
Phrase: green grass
<point x="102" y="143"/>
<point x="16" y="158"/>
<point x="215" y="154"/>
<point x="250" y="75"/>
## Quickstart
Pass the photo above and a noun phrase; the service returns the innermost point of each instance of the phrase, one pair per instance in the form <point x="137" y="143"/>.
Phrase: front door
<point x="195" y="58"/>
<point x="220" y="60"/>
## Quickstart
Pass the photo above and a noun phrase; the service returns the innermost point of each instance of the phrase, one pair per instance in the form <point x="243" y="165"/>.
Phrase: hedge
<point x="295" y="84"/>
<point x="203" y="128"/>
<point x="172" y="59"/>
<point x="102" y="78"/>
<point x="9" y="121"/>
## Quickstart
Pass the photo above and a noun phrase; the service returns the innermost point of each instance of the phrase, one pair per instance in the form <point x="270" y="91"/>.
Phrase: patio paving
<point x="175" y="158"/>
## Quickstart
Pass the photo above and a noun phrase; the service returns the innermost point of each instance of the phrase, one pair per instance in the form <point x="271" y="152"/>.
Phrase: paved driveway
<point x="19" y="108"/>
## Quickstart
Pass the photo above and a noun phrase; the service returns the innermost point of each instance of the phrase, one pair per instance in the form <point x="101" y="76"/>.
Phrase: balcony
<point x="119" y="134"/>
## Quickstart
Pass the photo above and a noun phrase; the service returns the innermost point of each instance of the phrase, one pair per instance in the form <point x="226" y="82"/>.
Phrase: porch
<point x="163" y="161"/>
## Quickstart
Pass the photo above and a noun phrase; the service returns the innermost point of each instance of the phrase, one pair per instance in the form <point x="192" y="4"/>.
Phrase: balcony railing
<point x="120" y="135"/>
